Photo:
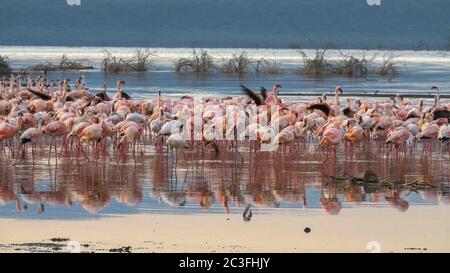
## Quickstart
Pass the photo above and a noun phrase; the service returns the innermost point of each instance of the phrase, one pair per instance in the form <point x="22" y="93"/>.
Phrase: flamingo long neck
<point x="438" y="97"/>
<point x="18" y="125"/>
<point x="41" y="84"/>
<point x="275" y="94"/>
<point x="159" y="99"/>
<point x="119" y="91"/>
<point x="40" y="124"/>
<point x="11" y="87"/>
<point x="64" y="93"/>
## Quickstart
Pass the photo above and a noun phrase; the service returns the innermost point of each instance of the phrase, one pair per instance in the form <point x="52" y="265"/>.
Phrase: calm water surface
<point x="419" y="70"/>
<point x="296" y="181"/>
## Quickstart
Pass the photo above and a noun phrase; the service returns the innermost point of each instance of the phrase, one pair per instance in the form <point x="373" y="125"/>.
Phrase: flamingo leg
<point x="50" y="150"/>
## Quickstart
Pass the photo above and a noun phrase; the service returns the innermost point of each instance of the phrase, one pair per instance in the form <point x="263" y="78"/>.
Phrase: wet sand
<point x="422" y="229"/>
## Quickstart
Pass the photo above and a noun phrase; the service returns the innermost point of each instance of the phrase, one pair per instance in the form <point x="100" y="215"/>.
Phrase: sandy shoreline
<point x="421" y="229"/>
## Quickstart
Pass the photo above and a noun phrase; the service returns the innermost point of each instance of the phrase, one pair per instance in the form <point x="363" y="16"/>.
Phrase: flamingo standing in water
<point x="92" y="134"/>
<point x="399" y="136"/>
<point x="130" y="133"/>
<point x="176" y="141"/>
<point x="332" y="136"/>
<point x="33" y="136"/>
<point x="55" y="129"/>
<point x="444" y="133"/>
<point x="286" y="136"/>
<point x="8" y="130"/>
<point x="355" y="134"/>
<point x="430" y="131"/>
<point x="329" y="121"/>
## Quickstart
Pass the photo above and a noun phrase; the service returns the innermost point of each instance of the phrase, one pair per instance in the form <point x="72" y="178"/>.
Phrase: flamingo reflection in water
<point x="269" y="180"/>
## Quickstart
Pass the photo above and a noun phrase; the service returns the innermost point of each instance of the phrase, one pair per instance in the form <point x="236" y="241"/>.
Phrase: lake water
<point x="299" y="183"/>
<point x="419" y="70"/>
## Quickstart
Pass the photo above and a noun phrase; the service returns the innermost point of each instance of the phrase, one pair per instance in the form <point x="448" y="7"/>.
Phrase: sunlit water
<point x="419" y="70"/>
<point x="294" y="180"/>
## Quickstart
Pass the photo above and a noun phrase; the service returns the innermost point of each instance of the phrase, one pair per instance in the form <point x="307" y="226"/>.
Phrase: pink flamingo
<point x="33" y="136"/>
<point x="8" y="131"/>
<point x="55" y="129"/>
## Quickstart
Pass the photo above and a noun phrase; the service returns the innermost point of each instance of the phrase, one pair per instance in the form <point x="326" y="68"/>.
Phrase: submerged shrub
<point x="65" y="64"/>
<point x="200" y="62"/>
<point x="138" y="63"/>
<point x="141" y="59"/>
<point x="264" y="66"/>
<point x="316" y="64"/>
<point x="388" y="67"/>
<point x="5" y="68"/>
<point x="239" y="63"/>
<point x="351" y="66"/>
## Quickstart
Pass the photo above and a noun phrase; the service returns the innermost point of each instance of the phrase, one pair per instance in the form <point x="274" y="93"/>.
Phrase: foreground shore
<point x="422" y="229"/>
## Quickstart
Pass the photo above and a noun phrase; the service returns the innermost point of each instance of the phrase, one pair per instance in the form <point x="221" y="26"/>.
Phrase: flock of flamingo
<point x="82" y="124"/>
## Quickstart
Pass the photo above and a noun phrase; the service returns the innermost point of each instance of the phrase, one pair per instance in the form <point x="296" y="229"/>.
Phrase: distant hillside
<point x="395" y="24"/>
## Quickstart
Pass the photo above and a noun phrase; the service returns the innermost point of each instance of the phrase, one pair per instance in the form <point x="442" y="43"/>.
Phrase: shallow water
<point x="295" y="181"/>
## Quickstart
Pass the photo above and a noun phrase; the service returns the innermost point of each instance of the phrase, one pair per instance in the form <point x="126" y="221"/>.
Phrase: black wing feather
<point x="348" y="112"/>
<point x="126" y="96"/>
<point x="441" y="113"/>
<point x="320" y="106"/>
<point x="251" y="94"/>
<point x="263" y="91"/>
<point x="40" y="94"/>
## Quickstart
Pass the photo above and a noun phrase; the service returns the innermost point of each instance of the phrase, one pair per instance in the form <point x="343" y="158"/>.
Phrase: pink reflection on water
<point x="290" y="177"/>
